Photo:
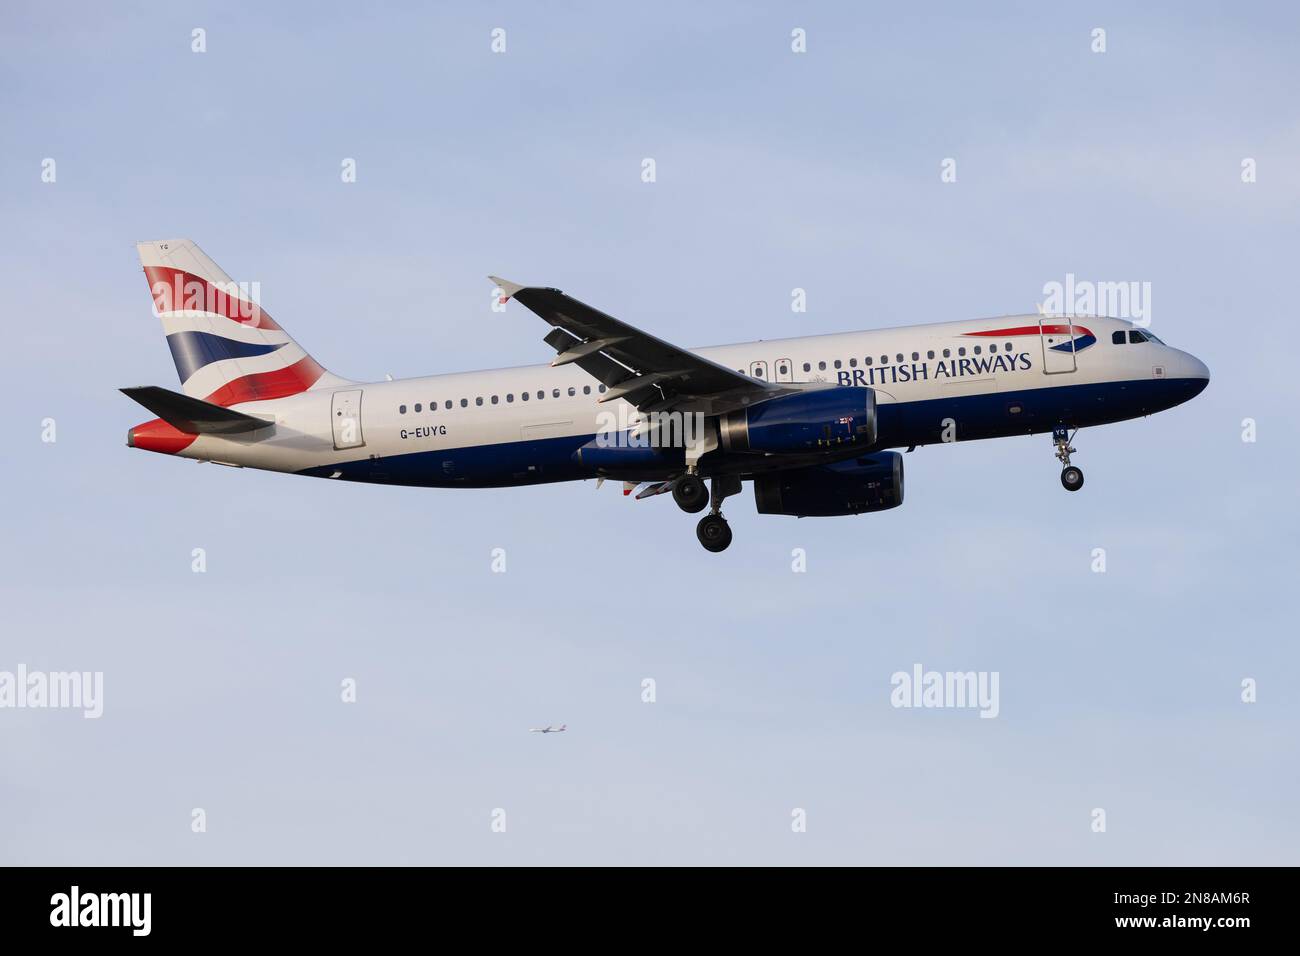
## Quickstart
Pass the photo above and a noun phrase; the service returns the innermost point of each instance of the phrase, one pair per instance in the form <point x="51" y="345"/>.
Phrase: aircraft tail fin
<point x="227" y="349"/>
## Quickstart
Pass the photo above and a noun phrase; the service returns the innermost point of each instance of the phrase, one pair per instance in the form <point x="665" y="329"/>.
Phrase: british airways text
<point x="943" y="368"/>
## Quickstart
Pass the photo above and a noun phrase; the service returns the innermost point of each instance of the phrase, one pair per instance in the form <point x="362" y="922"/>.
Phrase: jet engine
<point x="824" y="419"/>
<point x="871" y="483"/>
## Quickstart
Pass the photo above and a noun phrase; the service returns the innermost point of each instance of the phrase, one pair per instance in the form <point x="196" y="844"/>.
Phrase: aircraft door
<point x="345" y="416"/>
<point x="1056" y="335"/>
<point x="784" y="370"/>
<point x="758" y="370"/>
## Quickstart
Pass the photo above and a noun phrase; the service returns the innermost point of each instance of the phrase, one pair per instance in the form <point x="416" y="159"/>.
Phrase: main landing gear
<point x="1071" y="477"/>
<point x="691" y="495"/>
<point x="714" y="532"/>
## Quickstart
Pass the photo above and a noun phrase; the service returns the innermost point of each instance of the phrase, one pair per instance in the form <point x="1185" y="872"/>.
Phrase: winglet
<point x="508" y="288"/>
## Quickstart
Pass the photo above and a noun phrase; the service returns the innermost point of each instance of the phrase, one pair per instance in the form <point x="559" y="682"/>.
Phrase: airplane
<point x="548" y="729"/>
<point x="814" y="422"/>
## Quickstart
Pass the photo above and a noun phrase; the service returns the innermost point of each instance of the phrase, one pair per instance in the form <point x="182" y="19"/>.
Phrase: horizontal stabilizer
<point x="193" y="415"/>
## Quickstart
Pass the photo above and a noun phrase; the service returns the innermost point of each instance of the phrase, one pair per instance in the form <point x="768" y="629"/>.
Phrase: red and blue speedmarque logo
<point x="1077" y="337"/>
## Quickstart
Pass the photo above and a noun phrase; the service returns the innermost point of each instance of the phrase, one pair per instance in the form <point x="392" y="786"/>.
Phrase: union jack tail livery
<point x="227" y="350"/>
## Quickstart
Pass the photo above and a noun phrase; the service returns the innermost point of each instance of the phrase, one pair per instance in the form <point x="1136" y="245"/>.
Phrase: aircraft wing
<point x="652" y="374"/>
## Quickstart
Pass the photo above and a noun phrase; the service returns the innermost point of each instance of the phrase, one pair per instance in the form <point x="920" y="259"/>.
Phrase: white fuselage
<point x="955" y="364"/>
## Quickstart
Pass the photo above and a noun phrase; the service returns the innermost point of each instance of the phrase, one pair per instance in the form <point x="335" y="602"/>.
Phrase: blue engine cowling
<point x="621" y="453"/>
<point x="824" y="419"/>
<point x="871" y="483"/>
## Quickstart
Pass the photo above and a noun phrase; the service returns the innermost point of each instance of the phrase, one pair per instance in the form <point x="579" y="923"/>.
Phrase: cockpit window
<point x="1117" y="338"/>
<point x="1153" y="338"/>
<point x="1134" y="336"/>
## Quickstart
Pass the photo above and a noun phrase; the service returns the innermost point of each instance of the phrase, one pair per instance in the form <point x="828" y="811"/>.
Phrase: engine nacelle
<point x="871" y="483"/>
<point x="620" y="453"/>
<point x="805" y="421"/>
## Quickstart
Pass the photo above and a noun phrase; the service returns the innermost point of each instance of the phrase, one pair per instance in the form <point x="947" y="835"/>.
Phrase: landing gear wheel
<point x="690" y="494"/>
<point x="1071" y="477"/>
<point x="714" y="533"/>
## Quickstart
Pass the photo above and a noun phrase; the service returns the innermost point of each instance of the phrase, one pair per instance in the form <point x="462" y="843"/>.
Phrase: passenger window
<point x="962" y="350"/>
<point x="447" y="404"/>
<point x="495" y="400"/>
<point x="540" y="394"/>
<point x="555" y="393"/>
<point x="993" y="347"/>
<point x="915" y="356"/>
<point x="884" y="360"/>
<point x="601" y="389"/>
<point x="807" y="367"/>
<point x="464" y="403"/>
<point x="510" y="397"/>
<point x="1008" y="346"/>
<point x="853" y="363"/>
<point x="977" y="350"/>
<point x="418" y="407"/>
<point x="401" y="409"/>
<point x="838" y="363"/>
<point x="586" y="390"/>
<point x="821" y="366"/>
<point x="947" y="353"/>
<point x="572" y="391"/>
<point x="900" y="356"/>
<point x="867" y="360"/>
<point x="1117" y="338"/>
<point x="524" y="396"/>
<point x="930" y="354"/>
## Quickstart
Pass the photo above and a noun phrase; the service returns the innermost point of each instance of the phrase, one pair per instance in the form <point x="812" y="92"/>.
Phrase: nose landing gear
<point x="1071" y="476"/>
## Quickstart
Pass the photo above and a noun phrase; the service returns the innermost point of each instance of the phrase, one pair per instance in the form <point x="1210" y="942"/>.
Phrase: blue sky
<point x="775" y="170"/>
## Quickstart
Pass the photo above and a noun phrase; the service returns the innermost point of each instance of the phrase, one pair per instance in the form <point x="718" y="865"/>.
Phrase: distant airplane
<point x="548" y="729"/>
<point x="812" y="422"/>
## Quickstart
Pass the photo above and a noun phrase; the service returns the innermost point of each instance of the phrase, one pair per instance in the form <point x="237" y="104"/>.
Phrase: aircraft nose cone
<point x="1196" y="373"/>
